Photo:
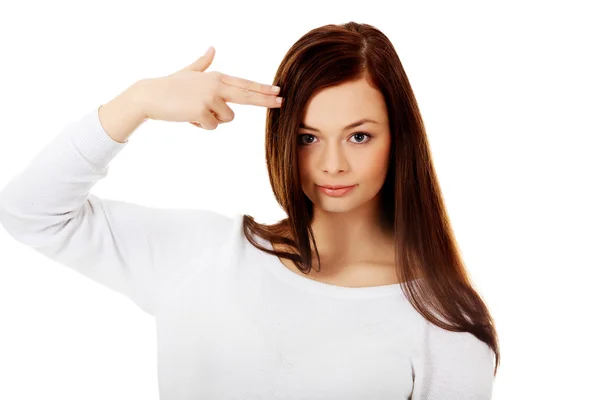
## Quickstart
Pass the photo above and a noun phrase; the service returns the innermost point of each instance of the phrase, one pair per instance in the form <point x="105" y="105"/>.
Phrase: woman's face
<point x="331" y="154"/>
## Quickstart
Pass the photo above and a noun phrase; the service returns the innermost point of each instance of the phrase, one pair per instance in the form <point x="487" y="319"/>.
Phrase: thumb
<point x="203" y="62"/>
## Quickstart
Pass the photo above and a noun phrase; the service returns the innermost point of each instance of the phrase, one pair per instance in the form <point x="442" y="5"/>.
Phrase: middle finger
<point x="237" y="95"/>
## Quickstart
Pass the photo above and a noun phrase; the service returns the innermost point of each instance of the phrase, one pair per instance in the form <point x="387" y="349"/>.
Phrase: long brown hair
<point x="427" y="257"/>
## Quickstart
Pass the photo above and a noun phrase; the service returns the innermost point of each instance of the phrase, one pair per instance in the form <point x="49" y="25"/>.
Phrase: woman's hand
<point x="198" y="97"/>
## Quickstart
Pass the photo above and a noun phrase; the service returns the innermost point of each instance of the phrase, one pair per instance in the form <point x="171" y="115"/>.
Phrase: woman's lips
<point x="336" y="192"/>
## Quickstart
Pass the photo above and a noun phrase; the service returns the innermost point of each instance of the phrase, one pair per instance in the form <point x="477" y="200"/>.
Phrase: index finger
<point x="249" y="85"/>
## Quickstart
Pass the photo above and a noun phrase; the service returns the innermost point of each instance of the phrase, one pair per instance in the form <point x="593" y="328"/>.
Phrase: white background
<point x="510" y="96"/>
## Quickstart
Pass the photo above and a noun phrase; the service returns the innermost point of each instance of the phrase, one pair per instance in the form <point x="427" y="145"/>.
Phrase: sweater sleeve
<point x="452" y="366"/>
<point x="129" y="248"/>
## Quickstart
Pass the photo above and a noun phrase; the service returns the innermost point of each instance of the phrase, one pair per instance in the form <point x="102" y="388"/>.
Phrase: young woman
<point x="359" y="294"/>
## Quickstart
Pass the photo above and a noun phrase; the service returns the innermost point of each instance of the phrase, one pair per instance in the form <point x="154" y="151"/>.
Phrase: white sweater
<point x="232" y="321"/>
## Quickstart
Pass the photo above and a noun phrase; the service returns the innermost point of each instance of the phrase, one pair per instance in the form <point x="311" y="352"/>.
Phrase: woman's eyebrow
<point x="352" y="125"/>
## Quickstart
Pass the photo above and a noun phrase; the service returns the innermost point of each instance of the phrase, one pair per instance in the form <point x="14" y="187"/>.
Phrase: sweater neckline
<point x="280" y="271"/>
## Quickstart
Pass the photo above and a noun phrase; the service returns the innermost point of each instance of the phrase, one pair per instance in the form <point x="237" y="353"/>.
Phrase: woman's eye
<point x="302" y="141"/>
<point x="364" y="137"/>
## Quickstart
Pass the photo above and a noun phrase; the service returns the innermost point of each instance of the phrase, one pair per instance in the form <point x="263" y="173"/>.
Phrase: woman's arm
<point x="132" y="249"/>
<point x="452" y="366"/>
